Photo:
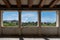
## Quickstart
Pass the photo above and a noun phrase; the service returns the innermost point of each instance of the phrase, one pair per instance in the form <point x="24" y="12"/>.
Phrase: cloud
<point x="29" y="18"/>
<point x="10" y="17"/>
<point x="48" y="19"/>
<point x="28" y="15"/>
<point x="25" y="20"/>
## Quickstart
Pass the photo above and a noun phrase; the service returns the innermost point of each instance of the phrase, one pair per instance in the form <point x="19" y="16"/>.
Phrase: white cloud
<point x="25" y="20"/>
<point x="28" y="15"/>
<point x="29" y="19"/>
<point x="11" y="17"/>
<point x="47" y="19"/>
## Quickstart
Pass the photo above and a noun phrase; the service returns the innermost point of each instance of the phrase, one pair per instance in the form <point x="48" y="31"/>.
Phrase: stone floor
<point x="30" y="39"/>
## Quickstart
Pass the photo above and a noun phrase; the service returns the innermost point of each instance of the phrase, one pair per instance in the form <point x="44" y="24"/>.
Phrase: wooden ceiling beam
<point x="7" y="3"/>
<point x="18" y="3"/>
<point x="41" y="3"/>
<point x="30" y="3"/>
<point x="29" y="8"/>
<point x="53" y="3"/>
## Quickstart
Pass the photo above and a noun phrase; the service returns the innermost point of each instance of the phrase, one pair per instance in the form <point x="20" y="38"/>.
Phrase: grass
<point x="50" y="25"/>
<point x="29" y="25"/>
<point x="9" y="24"/>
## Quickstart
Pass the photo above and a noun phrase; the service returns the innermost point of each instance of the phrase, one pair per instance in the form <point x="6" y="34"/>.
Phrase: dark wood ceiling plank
<point x="18" y="3"/>
<point x="30" y="3"/>
<point x="29" y="8"/>
<point x="53" y="3"/>
<point x="7" y="3"/>
<point x="41" y="3"/>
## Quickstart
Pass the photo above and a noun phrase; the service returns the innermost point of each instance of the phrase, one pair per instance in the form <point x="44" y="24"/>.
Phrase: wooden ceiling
<point x="29" y="4"/>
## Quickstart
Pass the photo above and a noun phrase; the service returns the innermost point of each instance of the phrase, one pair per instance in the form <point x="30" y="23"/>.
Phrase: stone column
<point x="58" y="22"/>
<point x="20" y="30"/>
<point x="0" y="21"/>
<point x="57" y="18"/>
<point x="39" y="19"/>
<point x="39" y="23"/>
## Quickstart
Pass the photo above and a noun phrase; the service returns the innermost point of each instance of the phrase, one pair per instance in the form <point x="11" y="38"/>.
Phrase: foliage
<point x="15" y="23"/>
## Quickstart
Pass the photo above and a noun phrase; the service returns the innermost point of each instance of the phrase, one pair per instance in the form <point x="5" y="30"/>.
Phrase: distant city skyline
<point x="30" y="16"/>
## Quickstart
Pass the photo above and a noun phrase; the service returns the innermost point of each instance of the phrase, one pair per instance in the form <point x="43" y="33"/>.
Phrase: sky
<point x="48" y="16"/>
<point x="10" y="15"/>
<point x="30" y="16"/>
